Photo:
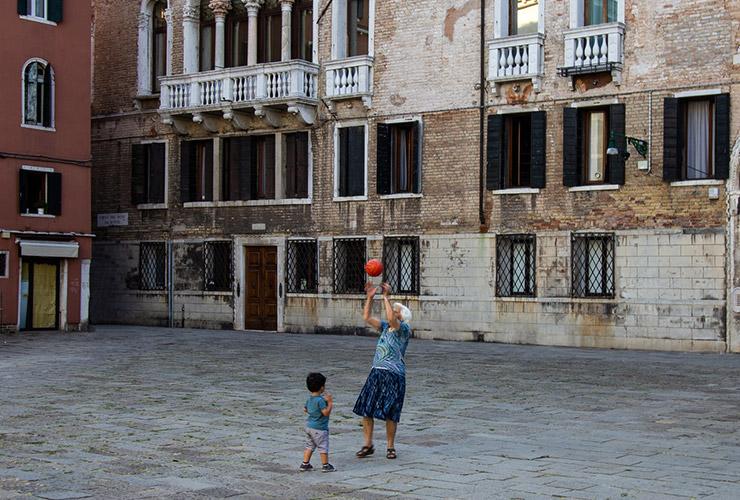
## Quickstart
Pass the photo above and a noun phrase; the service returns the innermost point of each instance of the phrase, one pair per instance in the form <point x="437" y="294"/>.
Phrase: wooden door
<point x="260" y="297"/>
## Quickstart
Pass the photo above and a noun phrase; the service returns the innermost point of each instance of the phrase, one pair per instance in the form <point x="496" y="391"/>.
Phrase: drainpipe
<point x="481" y="125"/>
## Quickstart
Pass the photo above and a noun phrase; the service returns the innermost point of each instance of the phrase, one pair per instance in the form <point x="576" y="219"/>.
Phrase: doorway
<point x="39" y="295"/>
<point x="260" y="297"/>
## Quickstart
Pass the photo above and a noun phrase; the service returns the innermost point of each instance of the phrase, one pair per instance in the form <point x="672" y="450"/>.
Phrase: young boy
<point x="318" y="407"/>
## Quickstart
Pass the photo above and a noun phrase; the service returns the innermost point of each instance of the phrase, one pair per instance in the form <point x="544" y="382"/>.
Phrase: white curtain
<point x="698" y="140"/>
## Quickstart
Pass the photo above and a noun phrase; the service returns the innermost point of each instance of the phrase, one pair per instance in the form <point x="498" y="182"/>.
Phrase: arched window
<point x="158" y="44"/>
<point x="38" y="90"/>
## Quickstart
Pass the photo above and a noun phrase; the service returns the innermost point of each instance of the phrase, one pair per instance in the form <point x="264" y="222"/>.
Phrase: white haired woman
<point x="383" y="393"/>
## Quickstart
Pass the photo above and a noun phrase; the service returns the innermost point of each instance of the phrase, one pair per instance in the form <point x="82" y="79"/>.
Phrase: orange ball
<point x="374" y="267"/>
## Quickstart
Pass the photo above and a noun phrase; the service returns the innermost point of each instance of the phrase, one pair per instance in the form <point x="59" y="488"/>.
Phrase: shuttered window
<point x="696" y="138"/>
<point x="399" y="158"/>
<point x="296" y="165"/>
<point x="248" y="168"/>
<point x="148" y="173"/>
<point x="196" y="171"/>
<point x="40" y="192"/>
<point x="351" y="154"/>
<point x="51" y="10"/>
<point x="516" y="150"/>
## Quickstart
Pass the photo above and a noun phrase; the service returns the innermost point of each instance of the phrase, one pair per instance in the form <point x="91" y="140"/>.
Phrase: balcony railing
<point x="263" y="84"/>
<point x="517" y="57"/>
<point x="351" y="77"/>
<point x="592" y="49"/>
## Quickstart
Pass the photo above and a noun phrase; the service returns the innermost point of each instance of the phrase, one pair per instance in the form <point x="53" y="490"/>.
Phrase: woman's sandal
<point x="365" y="451"/>
<point x="391" y="454"/>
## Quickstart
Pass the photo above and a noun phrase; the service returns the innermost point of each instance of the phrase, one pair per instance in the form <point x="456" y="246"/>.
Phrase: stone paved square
<point x="133" y="412"/>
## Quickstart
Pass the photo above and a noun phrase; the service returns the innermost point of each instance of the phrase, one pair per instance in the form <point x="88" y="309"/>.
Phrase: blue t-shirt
<point x="316" y="420"/>
<point x="391" y="348"/>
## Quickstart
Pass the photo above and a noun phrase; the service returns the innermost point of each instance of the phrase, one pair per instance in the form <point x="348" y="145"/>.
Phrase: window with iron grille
<point x="593" y="264"/>
<point x="349" y="265"/>
<point x="515" y="265"/>
<point x="217" y="264"/>
<point x="302" y="266"/>
<point x="401" y="264"/>
<point x="152" y="266"/>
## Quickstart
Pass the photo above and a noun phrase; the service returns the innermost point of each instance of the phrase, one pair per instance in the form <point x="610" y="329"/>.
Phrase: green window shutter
<point x="54" y="193"/>
<point x="187" y="192"/>
<point x="55" y="11"/>
<point x="356" y="171"/>
<point x="416" y="188"/>
<point x="672" y="152"/>
<point x="539" y="149"/>
<point x="615" y="164"/>
<point x="571" y="147"/>
<point x="722" y="137"/>
<point x="383" y="140"/>
<point x="138" y="173"/>
<point x="157" y="168"/>
<point x="495" y="150"/>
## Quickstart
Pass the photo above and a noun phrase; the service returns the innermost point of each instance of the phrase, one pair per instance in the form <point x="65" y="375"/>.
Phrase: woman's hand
<point x="386" y="289"/>
<point x="370" y="289"/>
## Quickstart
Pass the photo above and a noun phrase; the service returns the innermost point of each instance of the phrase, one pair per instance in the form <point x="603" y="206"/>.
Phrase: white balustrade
<point x="516" y="57"/>
<point x="258" y="84"/>
<point x="594" y="46"/>
<point x="349" y="77"/>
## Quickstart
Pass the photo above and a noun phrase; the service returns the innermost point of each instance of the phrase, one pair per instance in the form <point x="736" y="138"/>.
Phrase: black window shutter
<point x="208" y="187"/>
<point x="138" y="173"/>
<point x="54" y="193"/>
<point x="615" y="164"/>
<point x="722" y="136"/>
<point x="157" y="168"/>
<point x="672" y="153"/>
<point x="571" y="149"/>
<point x="343" y="161"/>
<point x="22" y="5"/>
<point x="356" y="170"/>
<point x="495" y="150"/>
<point x="22" y="202"/>
<point x="187" y="167"/>
<point x="383" y="158"/>
<point x="253" y="179"/>
<point x="241" y="166"/>
<point x="56" y="10"/>
<point x="47" y="100"/>
<point x="539" y="149"/>
<point x="301" y="165"/>
<point x="291" y="166"/>
<point x="416" y="160"/>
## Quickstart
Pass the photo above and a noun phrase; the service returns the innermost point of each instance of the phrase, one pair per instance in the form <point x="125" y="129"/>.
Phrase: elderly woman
<point x="383" y="393"/>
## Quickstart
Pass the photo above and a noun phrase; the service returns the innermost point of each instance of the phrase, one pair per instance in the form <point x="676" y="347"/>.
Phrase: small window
<point x="38" y="90"/>
<point x="358" y="27"/>
<point x="599" y="11"/>
<point x="595" y="129"/>
<point x="515" y="265"/>
<point x="148" y="173"/>
<point x="159" y="44"/>
<point x="4" y="265"/>
<point x="50" y="10"/>
<point x="349" y="261"/>
<point x="152" y="266"/>
<point x="217" y="259"/>
<point x="302" y="266"/>
<point x="40" y="192"/>
<point x="523" y="17"/>
<point x="296" y="165"/>
<point x="593" y="265"/>
<point x="351" y="154"/>
<point x="196" y="170"/>
<point x="401" y="264"/>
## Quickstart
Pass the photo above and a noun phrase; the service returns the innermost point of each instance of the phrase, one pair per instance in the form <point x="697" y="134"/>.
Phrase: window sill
<point x="595" y="187"/>
<point x="349" y="198"/>
<point x="39" y="216"/>
<point x="39" y="127"/>
<point x="698" y="182"/>
<point x="400" y="196"/>
<point x="151" y="206"/>
<point x="39" y="20"/>
<point x="516" y="191"/>
<point x="246" y="203"/>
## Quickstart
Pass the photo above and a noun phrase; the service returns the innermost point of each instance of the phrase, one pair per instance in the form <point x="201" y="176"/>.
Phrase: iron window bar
<point x="152" y="266"/>
<point x="349" y="258"/>
<point x="401" y="264"/>
<point x="217" y="266"/>
<point x="302" y="265"/>
<point x="516" y="256"/>
<point x="592" y="261"/>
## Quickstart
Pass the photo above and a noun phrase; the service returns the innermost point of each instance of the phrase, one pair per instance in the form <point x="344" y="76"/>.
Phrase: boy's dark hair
<point x="315" y="381"/>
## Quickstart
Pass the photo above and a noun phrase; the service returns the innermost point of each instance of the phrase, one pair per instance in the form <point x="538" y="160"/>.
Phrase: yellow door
<point x="44" y="296"/>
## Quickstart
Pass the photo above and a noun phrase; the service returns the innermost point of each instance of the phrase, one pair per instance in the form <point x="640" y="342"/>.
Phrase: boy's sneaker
<point x="305" y="467"/>
<point x="327" y="468"/>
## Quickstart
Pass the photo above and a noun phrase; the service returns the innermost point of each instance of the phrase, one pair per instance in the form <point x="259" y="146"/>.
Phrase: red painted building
<point x="45" y="227"/>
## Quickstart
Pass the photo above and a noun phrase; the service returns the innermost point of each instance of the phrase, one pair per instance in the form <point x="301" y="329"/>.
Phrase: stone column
<point x="220" y="8"/>
<point x="169" y="17"/>
<point x="287" y="9"/>
<point x="191" y="38"/>
<point x="253" y="8"/>
<point x="145" y="53"/>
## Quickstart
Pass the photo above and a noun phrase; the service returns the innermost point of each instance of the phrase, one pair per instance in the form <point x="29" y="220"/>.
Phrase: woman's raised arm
<point x="374" y="322"/>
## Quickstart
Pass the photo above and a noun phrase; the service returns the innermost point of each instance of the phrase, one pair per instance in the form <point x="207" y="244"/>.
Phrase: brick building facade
<point x="250" y="156"/>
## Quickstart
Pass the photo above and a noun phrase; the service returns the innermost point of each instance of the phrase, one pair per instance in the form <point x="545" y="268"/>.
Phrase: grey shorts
<point x="317" y="439"/>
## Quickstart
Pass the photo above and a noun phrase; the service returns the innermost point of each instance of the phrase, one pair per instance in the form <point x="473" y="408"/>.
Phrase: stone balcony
<point x="350" y="78"/>
<point x="594" y="49"/>
<point x="516" y="58"/>
<point x="240" y="94"/>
